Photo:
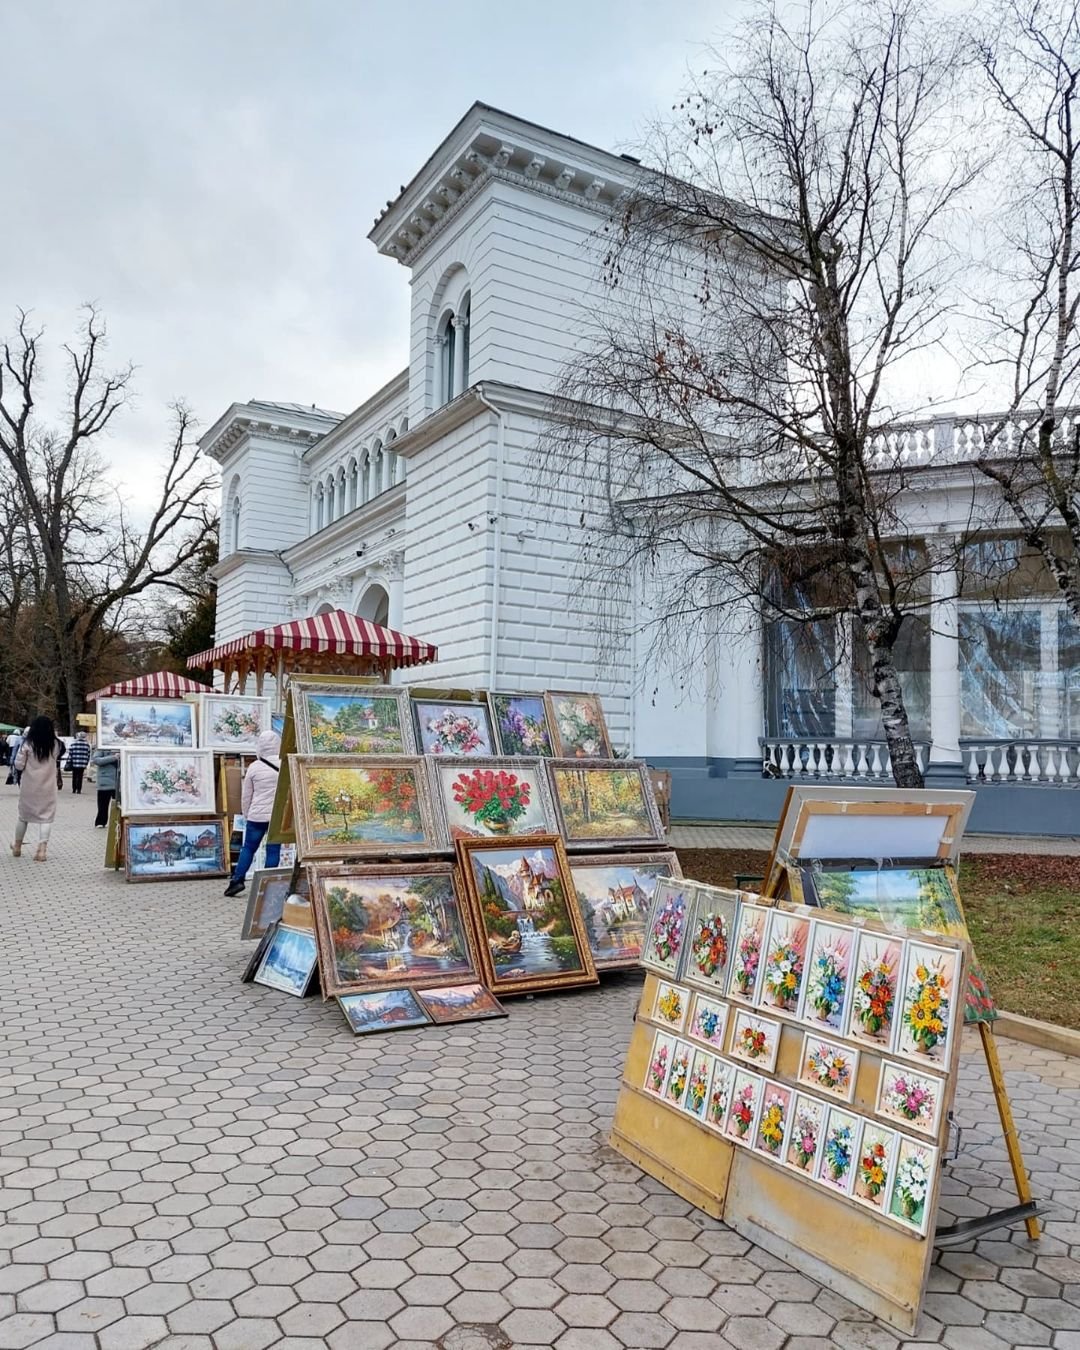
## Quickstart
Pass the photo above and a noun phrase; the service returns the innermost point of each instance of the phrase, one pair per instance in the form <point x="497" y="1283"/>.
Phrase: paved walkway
<point x="761" y="837"/>
<point x="191" y="1162"/>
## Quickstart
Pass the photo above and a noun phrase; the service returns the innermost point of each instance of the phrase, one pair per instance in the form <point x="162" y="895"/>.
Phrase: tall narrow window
<point x="342" y="508"/>
<point x="320" y="507"/>
<point x="329" y="501"/>
<point x="374" y="461"/>
<point x="447" y="345"/>
<point x="463" y="321"/>
<point x="353" y="485"/>
<point x="236" y="522"/>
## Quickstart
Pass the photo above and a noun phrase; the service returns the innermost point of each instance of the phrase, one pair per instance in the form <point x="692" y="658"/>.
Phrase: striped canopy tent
<point x="337" y="643"/>
<point x="162" y="684"/>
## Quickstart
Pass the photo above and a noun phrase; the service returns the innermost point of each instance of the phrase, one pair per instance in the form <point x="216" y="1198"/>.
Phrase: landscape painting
<point x="531" y="933"/>
<point x="159" y="782"/>
<point x="174" y="850"/>
<point x="288" y="962"/>
<point x="232" y="724"/>
<point x="460" y="1003"/>
<point x="910" y="897"/>
<point x="270" y="889"/>
<point x="332" y="719"/>
<point x="521" y="724"/>
<point x="614" y="892"/>
<point x="577" y="725"/>
<point x="382" y="1010"/>
<point x="609" y="803"/>
<point x="147" y="721"/>
<point x="349" y="806"/>
<point x="383" y="926"/>
<point x="454" y="727"/>
<point x="492" y="798"/>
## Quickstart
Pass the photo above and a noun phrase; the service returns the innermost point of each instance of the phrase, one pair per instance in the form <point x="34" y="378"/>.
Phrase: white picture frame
<point x="167" y="782"/>
<point x="231" y="724"/>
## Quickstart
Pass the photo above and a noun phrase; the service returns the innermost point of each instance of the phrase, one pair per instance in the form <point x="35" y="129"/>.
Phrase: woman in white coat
<point x="256" y="803"/>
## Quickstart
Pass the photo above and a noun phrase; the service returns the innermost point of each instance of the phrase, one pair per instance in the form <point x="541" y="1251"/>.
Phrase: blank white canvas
<point x="859" y="836"/>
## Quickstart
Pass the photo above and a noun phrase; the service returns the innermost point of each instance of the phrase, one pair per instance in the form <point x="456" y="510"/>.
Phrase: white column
<point x="395" y="590"/>
<point x="460" y="325"/>
<point x="944" y="655"/>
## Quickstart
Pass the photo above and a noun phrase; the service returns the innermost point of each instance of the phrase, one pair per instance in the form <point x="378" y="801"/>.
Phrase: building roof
<point x="272" y="405"/>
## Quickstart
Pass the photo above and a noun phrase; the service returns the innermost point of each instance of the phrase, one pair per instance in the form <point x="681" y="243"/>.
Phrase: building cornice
<point x="299" y="430"/>
<point x="232" y="562"/>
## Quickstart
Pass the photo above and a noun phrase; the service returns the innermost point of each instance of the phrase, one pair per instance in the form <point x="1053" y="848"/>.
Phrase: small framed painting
<point x="697" y="1088"/>
<point x="656" y="1075"/>
<point x="166" y="724"/>
<point x="709" y="937"/>
<point x="772" y="1122"/>
<point x="806" y="1122"/>
<point x="167" y="783"/>
<point x="746" y="959"/>
<point x="456" y="728"/>
<point x="460" y="1003"/>
<point x="356" y="806"/>
<point x="382" y="1010"/>
<point x="828" y="976"/>
<point x="666" y="927"/>
<point x="875" y="985"/>
<point x="755" y="1040"/>
<point x="604" y="804"/>
<point x="270" y="888"/>
<point x="829" y="1066"/>
<point x="577" y="726"/>
<point x="232" y="723"/>
<point x="743" y="1106"/>
<point x="521" y="724"/>
<point x="670" y="1006"/>
<point x="928" y="1003"/>
<point x="913" y="1183"/>
<point x="174" y="850"/>
<point x="723" y="1079"/>
<point x="289" y="961"/>
<point x="344" y="719"/>
<point x="707" y="1021"/>
<point x="836" y="1165"/>
<point x="911" y="1098"/>
<point x="492" y="798"/>
<point x="255" y="960"/>
<point x="614" y="893"/>
<point x="678" y="1074"/>
<point x="875" y="1161"/>
<point x="784" y="963"/>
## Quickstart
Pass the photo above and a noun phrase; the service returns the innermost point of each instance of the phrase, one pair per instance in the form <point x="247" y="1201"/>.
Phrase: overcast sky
<point x="207" y="170"/>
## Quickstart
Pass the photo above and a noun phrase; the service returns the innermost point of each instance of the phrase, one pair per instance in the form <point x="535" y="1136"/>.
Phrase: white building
<point x="420" y="510"/>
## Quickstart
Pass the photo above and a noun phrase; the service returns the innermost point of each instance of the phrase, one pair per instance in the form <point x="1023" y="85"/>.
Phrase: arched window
<point x="374" y="465"/>
<point x="342" y="507"/>
<point x="390" y="465"/>
<point x="354" y="485"/>
<point x="375" y="605"/>
<point x="320" y="507"/>
<point x="461" y="322"/>
<point x="330" y="499"/>
<point x="236" y="521"/>
<point x="447" y="344"/>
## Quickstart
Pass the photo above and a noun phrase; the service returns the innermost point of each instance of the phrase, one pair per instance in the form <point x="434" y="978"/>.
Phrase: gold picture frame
<point x="571" y="780"/>
<point x="568" y="746"/>
<point x="331" y="787"/>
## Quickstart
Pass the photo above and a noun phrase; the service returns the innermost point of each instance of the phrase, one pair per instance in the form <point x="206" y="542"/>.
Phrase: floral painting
<point x="233" y="723"/>
<point x="288" y="962"/>
<point x="521" y="724"/>
<point x="805" y="1125"/>
<point x="755" y="1040"/>
<point x="910" y="1098"/>
<point x="716" y="1109"/>
<point x="456" y="728"/>
<point x="166" y="723"/>
<point x="490" y="798"/>
<point x="784" y="962"/>
<point x="656" y="1075"/>
<point x="839" y="1143"/>
<point x="772" y="1122"/>
<point x="382" y="1010"/>
<point x="334" y="719"/>
<point x="828" y="975"/>
<point x="875" y="982"/>
<point x="605" y="803"/>
<point x="346" y="805"/>
<point x="696" y="1098"/>
<point x="666" y="927"/>
<point x="829" y="1066"/>
<point x="159" y="782"/>
<point x="460" y="1003"/>
<point x="577" y="725"/>
<point x="709" y="937"/>
<point x="926" y="1010"/>
<point x="875" y="1161"/>
<point x="679" y="1074"/>
<point x="384" y="926"/>
<point x="743" y="1105"/>
<point x="708" y="1021"/>
<point x="746" y="959"/>
<point x="912" y="1184"/>
<point x="614" y="892"/>
<point x="670" y="1005"/>
<point x="174" y="850"/>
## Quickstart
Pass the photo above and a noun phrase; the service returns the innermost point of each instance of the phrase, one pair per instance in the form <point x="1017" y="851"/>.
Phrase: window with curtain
<point x="800" y="677"/>
<point x="911" y="653"/>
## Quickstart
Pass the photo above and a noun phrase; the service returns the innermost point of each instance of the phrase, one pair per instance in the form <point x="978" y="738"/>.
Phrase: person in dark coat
<point x="78" y="759"/>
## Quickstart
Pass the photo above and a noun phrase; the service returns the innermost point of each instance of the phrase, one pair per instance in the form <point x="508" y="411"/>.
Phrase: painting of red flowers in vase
<point x="490" y="798"/>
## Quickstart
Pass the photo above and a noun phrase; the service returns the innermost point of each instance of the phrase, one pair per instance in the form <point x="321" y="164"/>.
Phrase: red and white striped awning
<point x="338" y="632"/>
<point x="162" y="684"/>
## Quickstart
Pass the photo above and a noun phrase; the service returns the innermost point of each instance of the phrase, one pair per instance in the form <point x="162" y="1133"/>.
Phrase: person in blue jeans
<point x="256" y="803"/>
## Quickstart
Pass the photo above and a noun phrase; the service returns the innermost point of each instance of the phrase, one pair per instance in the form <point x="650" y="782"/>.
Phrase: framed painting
<point x="828" y="1066"/>
<point x="577" y="725"/>
<point x="656" y="1075"/>
<point x="696" y="1098"/>
<point x="289" y="961"/>
<point x="723" y="1079"/>
<point x="341" y="719"/>
<point x="679" y="1074"/>
<point x="927" y="1005"/>
<point x="839" y="1142"/>
<point x="707" y="1021"/>
<point x="270" y="888"/>
<point x="521" y="724"/>
<point x="456" y="728"/>
<point x="670" y="1006"/>
<point x="174" y="850"/>
<point x="804" y="1133"/>
<point x="829" y="976"/>
<point x="232" y="723"/>
<point x="352" y="806"/>
<point x="746" y="1090"/>
<point x="460" y="1003"/>
<point x="386" y="925"/>
<point x="875" y="1161"/>
<point x="614" y="892"/>
<point x="382" y="1010"/>
<point x="913" y="1183"/>
<point x="665" y="927"/>
<point x="709" y="937"/>
<point x="755" y="1040"/>
<point x="165" y="723"/>
<point x="783" y="972"/>
<point x="604" y="804"/>
<point x="493" y="798"/>
<point x="529" y="928"/>
<point x="910" y="1098"/>
<point x="772" y="1122"/>
<point x="167" y="782"/>
<point x="255" y="960"/>
<point x="746" y="959"/>
<point x="875" y="984"/>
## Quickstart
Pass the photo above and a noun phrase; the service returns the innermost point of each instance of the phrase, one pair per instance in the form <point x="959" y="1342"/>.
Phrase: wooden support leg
<point x="1008" y="1125"/>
